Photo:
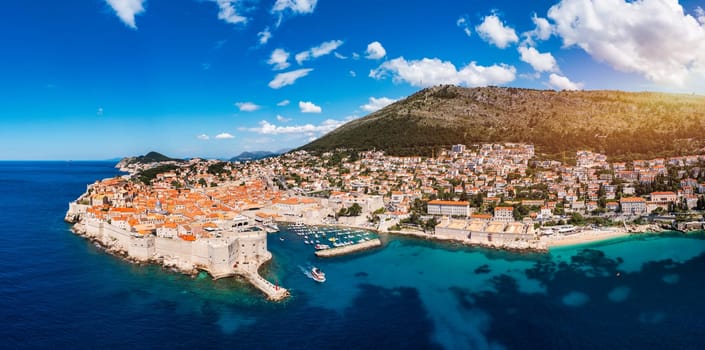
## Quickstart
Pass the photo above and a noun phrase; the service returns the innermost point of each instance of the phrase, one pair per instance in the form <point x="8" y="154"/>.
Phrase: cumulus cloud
<point x="464" y="24"/>
<point x="247" y="106"/>
<point x="302" y="57"/>
<point x="375" y="51"/>
<point x="288" y="78"/>
<point x="494" y="31"/>
<point x="375" y="104"/>
<point x="654" y="38"/>
<point x="279" y="59"/>
<point x="282" y="119"/>
<point x="295" y="6"/>
<point x="126" y="10"/>
<point x="267" y="128"/>
<point x="542" y="29"/>
<point x="203" y="137"/>
<point x="264" y="36"/>
<point x="224" y="136"/>
<point x="433" y="71"/>
<point x="309" y="107"/>
<point x="229" y="13"/>
<point x="340" y="56"/>
<point x="541" y="62"/>
<point x="283" y="103"/>
<point x="323" y="49"/>
<point x="563" y="83"/>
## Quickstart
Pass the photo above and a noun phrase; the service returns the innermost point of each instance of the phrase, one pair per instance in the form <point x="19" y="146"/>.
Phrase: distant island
<point x="254" y="155"/>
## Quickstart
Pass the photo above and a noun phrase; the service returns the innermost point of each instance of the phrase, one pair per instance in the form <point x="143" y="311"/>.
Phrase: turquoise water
<point x="58" y="290"/>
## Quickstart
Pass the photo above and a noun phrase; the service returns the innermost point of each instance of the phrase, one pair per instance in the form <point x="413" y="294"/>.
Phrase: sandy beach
<point x="584" y="237"/>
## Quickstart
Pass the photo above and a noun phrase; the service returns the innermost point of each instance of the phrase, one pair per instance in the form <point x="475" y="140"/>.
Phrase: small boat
<point x="318" y="275"/>
<point x="281" y="238"/>
<point x="322" y="246"/>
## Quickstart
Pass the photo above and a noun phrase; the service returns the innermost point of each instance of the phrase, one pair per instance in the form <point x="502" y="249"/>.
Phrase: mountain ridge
<point x="620" y="124"/>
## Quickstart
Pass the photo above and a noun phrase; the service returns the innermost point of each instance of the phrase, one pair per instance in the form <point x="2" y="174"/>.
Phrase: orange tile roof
<point x="458" y="203"/>
<point x="632" y="200"/>
<point x="503" y="208"/>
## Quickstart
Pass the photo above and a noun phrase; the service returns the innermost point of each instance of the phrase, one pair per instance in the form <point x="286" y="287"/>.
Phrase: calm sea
<point x="59" y="291"/>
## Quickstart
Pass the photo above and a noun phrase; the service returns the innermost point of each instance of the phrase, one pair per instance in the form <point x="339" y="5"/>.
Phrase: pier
<point x="273" y="292"/>
<point x="348" y="249"/>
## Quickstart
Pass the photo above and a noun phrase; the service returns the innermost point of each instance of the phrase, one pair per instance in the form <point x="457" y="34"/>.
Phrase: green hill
<point x="623" y="125"/>
<point x="151" y="157"/>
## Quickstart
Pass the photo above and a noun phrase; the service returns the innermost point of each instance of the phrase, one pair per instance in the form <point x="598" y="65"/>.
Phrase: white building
<point x="449" y="208"/>
<point x="505" y="214"/>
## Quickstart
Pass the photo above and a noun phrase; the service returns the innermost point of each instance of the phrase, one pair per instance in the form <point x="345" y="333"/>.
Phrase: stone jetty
<point x="348" y="249"/>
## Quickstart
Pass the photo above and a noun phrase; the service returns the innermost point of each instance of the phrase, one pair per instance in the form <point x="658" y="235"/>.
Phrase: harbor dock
<point x="348" y="249"/>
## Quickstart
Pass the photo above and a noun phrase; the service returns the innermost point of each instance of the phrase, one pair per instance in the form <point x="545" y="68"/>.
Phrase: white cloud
<point x="264" y="36"/>
<point x="464" y="23"/>
<point x="433" y="71"/>
<point x="340" y="56"/>
<point x="375" y="51"/>
<point x="279" y="59"/>
<point x="288" y="78"/>
<point x="542" y="31"/>
<point x="352" y="73"/>
<point x="282" y="119"/>
<point x="283" y="103"/>
<point x="355" y="56"/>
<point x="268" y="128"/>
<point x="541" y="62"/>
<point x="126" y="10"/>
<point x="228" y="12"/>
<point x="302" y="57"/>
<point x="203" y="137"/>
<point x="247" y="106"/>
<point x="323" y="49"/>
<point x="99" y="112"/>
<point x="224" y="136"/>
<point x="309" y="107"/>
<point x="563" y="83"/>
<point x="494" y="31"/>
<point x="654" y="38"/>
<point x="295" y="6"/>
<point x="375" y="104"/>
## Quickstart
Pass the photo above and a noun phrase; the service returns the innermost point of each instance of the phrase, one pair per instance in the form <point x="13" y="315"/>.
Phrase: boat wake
<point x="306" y="271"/>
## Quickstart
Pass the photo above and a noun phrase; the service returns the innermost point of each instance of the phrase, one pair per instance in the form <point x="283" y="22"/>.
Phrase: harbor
<point x="348" y="249"/>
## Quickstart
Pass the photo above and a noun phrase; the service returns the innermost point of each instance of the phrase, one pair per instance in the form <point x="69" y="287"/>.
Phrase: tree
<point x="354" y="210"/>
<point x="430" y="225"/>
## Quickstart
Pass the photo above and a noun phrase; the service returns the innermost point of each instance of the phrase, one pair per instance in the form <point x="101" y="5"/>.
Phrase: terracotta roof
<point x="632" y="200"/>
<point x="438" y="202"/>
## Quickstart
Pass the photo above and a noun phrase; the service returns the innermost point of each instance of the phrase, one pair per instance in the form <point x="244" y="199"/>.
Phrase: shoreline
<point x="271" y="291"/>
<point x="587" y="237"/>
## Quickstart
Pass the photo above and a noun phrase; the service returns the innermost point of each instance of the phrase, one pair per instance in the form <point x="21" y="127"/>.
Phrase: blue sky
<point x="97" y="79"/>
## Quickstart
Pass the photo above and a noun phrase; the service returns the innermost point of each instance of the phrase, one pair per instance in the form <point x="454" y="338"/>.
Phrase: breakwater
<point x="348" y="249"/>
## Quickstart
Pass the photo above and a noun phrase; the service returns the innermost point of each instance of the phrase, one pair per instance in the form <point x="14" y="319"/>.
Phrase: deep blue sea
<point x="59" y="291"/>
